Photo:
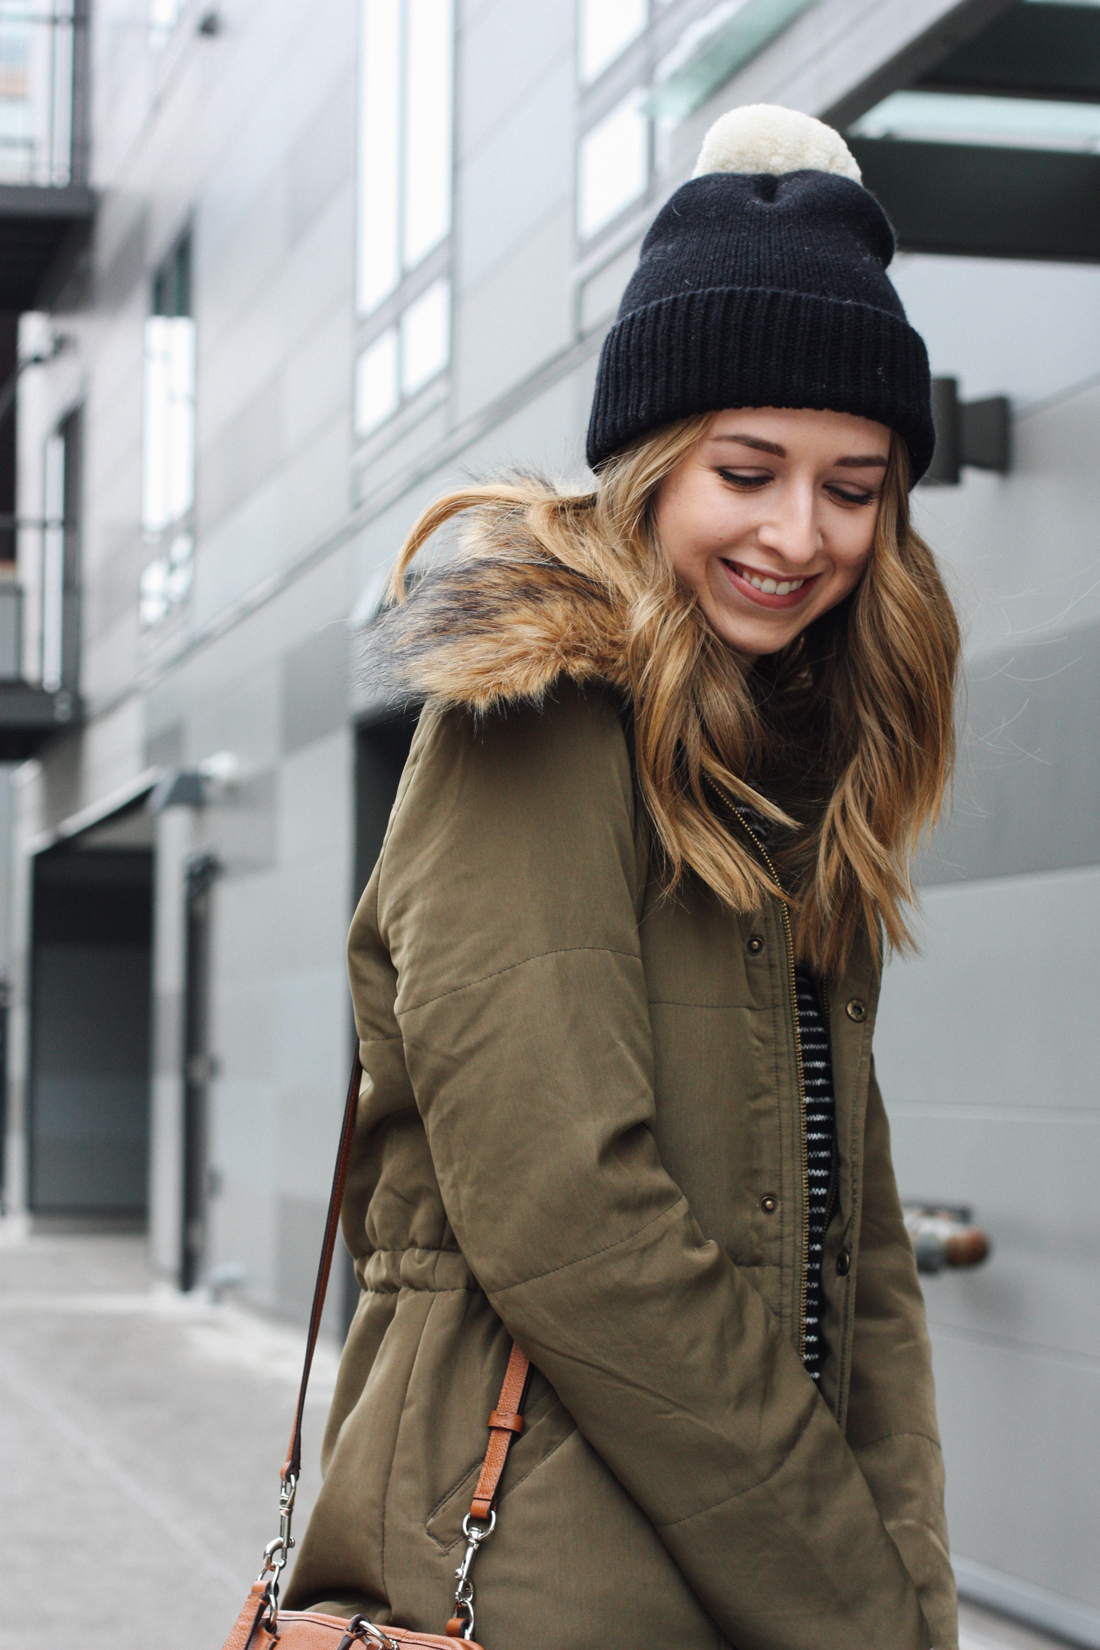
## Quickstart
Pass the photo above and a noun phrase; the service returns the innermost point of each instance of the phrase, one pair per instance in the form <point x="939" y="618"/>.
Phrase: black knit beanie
<point x="763" y="283"/>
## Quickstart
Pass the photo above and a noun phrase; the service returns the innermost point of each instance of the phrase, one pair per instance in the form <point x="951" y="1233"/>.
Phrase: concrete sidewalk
<point x="141" y="1435"/>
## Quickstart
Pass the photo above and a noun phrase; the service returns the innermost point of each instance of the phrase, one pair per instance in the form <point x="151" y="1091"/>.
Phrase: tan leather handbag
<point x="261" y="1623"/>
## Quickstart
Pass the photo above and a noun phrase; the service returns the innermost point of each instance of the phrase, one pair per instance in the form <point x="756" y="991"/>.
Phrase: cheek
<point x="677" y="524"/>
<point x="697" y="520"/>
<point x="853" y="552"/>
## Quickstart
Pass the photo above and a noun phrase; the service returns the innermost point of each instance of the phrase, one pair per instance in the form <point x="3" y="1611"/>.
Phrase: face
<point x="770" y="517"/>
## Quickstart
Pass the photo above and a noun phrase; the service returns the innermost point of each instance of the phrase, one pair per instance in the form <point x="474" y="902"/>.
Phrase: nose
<point x="791" y="529"/>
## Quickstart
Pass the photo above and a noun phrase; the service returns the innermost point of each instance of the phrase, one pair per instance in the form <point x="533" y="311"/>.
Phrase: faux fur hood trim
<point x="495" y="628"/>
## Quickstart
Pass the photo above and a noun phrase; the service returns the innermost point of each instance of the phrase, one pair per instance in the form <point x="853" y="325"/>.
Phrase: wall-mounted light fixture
<point x="968" y="432"/>
<point x="177" y="788"/>
<point x="210" y="781"/>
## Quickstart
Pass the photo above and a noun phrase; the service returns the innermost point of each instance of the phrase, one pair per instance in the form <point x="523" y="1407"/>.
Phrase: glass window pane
<point x="153" y="593"/>
<point x="950" y="117"/>
<point x="163" y="16"/>
<point x="376" y="383"/>
<point x="614" y="164"/>
<point x="426" y="337"/>
<point x="154" y="507"/>
<point x="379" y="156"/>
<point x="606" y="27"/>
<point x="180" y="564"/>
<point x="166" y="582"/>
<point x="181" y="417"/>
<point x="428" y="121"/>
<point x="168" y="437"/>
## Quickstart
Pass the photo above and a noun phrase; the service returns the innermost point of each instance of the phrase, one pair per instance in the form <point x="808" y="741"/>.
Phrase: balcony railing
<point x="38" y="62"/>
<point x="45" y="204"/>
<point x="11" y="630"/>
<point x="39" y="635"/>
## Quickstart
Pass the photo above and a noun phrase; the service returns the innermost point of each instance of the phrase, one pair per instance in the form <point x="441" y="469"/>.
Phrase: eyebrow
<point x="853" y="461"/>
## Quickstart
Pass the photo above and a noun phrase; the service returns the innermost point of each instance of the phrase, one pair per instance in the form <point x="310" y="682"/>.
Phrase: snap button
<point x="769" y="1204"/>
<point x="856" y="1011"/>
<point x="843" y="1263"/>
<point x="755" y="945"/>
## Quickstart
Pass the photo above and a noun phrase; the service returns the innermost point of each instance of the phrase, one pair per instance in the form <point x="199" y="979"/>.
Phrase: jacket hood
<point x="499" y="624"/>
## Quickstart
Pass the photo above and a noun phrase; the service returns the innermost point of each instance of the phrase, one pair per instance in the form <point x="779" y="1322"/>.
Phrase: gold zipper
<point x="801" y="1085"/>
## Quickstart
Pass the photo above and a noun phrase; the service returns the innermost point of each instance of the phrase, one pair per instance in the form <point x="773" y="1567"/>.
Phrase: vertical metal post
<point x="72" y="431"/>
<point x="200" y="873"/>
<point x="81" y="94"/>
<point x="53" y="563"/>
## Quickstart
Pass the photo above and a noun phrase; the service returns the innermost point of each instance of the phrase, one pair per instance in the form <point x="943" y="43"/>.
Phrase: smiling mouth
<point x="765" y="590"/>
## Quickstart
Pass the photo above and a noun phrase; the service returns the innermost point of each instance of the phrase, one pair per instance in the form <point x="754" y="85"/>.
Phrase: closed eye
<point x="739" y="478"/>
<point x="854" y="495"/>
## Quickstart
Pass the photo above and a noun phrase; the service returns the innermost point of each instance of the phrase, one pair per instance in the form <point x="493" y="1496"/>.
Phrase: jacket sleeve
<point x="507" y="900"/>
<point x="891" y="1422"/>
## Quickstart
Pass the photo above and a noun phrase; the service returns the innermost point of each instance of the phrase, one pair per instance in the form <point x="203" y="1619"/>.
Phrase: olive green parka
<point x="581" y="1127"/>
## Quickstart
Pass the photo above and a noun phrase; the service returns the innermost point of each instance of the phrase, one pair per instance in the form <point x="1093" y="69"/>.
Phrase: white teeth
<point x="771" y="587"/>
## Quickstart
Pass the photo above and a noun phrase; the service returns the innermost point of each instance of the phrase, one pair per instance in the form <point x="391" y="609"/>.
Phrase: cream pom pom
<point x="762" y="137"/>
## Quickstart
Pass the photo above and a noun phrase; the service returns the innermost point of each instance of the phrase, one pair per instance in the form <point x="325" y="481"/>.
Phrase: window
<point x="163" y="17"/>
<point x="405" y="143"/>
<point x="606" y="28"/>
<point x="60" y="585"/>
<point x="376" y="392"/>
<point x="614" y="165"/>
<point x="168" y="446"/>
<point x="715" y="46"/>
<point x="425" y="337"/>
<point x="404" y="358"/>
<point x="405" y="192"/>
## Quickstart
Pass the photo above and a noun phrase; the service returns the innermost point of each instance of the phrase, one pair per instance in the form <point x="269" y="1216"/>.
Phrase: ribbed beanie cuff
<point x="703" y="351"/>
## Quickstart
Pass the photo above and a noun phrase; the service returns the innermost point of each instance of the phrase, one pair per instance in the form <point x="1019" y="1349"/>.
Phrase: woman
<point x="615" y="978"/>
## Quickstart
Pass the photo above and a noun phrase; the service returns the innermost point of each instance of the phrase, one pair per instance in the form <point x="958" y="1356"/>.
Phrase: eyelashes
<point x="752" y="483"/>
<point x="853" y="498"/>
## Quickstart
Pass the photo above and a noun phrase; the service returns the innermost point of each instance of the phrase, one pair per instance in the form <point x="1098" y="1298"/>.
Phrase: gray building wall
<point x="983" y="1045"/>
<point x="249" y="139"/>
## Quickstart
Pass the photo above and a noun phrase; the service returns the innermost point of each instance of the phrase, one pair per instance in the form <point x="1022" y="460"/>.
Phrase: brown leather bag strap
<point x="505" y="1426"/>
<point x="293" y="1463"/>
<point x="506" y="1421"/>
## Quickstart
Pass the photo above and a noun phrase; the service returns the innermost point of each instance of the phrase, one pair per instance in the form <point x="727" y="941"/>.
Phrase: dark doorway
<point x="381" y="750"/>
<point x="201" y="870"/>
<point x="90" y="1016"/>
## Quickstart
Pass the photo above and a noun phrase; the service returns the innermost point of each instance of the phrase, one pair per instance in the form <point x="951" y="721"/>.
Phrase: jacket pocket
<point x="547" y="1423"/>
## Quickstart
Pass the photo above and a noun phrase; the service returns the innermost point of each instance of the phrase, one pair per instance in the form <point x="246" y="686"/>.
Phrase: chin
<point x="754" y="645"/>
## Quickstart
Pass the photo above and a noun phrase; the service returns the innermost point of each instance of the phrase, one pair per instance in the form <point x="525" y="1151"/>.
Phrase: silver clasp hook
<point x="286" y="1509"/>
<point x="464" y="1591"/>
<point x="277" y="1552"/>
<point x="274" y="1563"/>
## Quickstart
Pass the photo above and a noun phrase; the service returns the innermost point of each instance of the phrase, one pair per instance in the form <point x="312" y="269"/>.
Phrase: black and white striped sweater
<point x="820" y="1112"/>
<point x="820" y="1105"/>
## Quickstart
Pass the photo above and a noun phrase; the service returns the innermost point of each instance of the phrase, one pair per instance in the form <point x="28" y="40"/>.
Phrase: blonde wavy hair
<point x="844" y="740"/>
